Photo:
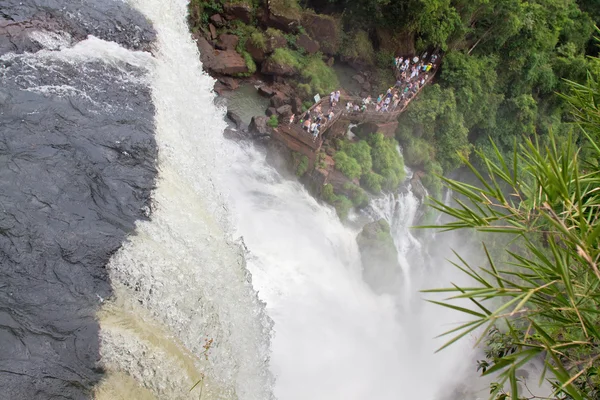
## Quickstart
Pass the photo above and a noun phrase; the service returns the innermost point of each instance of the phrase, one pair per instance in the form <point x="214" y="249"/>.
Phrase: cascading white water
<point x="180" y="283"/>
<point x="335" y="338"/>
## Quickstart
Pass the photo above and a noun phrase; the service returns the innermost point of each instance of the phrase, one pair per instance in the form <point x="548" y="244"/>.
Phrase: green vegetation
<point x="347" y="165"/>
<point x="250" y="64"/>
<point x="539" y="299"/>
<point x="376" y="162"/>
<point x="287" y="57"/>
<point x="287" y="8"/>
<point x="357" y="195"/>
<point x="357" y="47"/>
<point x="321" y="78"/>
<point x="300" y="163"/>
<point x="273" y="122"/>
<point x="259" y="40"/>
<point x="342" y="204"/>
<point x="387" y="161"/>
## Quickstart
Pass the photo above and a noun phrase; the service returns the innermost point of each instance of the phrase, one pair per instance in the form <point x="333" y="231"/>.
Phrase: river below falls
<point x="142" y="253"/>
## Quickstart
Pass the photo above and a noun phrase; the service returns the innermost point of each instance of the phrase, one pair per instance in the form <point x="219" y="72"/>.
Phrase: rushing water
<point x="92" y="125"/>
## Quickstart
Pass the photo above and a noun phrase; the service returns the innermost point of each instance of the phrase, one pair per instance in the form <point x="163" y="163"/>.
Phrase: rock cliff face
<point x="226" y="62"/>
<point x="324" y="29"/>
<point x="379" y="256"/>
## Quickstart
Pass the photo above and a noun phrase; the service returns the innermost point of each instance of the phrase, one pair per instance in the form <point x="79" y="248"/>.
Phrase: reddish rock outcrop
<point x="217" y="20"/>
<point x="240" y="11"/>
<point x="305" y="42"/>
<point x="280" y="18"/>
<point x="271" y="67"/>
<point x="324" y="29"/>
<point x="226" y="62"/>
<point x="258" y="54"/>
<point x="227" y="42"/>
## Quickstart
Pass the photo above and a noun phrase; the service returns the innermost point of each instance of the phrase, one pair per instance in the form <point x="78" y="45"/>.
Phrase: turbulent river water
<point x="142" y="252"/>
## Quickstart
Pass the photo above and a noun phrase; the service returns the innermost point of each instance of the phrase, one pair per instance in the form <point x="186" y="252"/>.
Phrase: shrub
<point x="372" y="182"/>
<point x="418" y="151"/>
<point x="249" y="63"/>
<point x="259" y="40"/>
<point x="387" y="161"/>
<point x="341" y="203"/>
<point x="285" y="56"/>
<point x="273" y="122"/>
<point x="431" y="180"/>
<point x="302" y="164"/>
<point x="347" y="165"/>
<point x="287" y="8"/>
<point x="320" y="76"/>
<point x="272" y="32"/>
<point x="361" y="152"/>
<point x="358" y="47"/>
<point x="357" y="195"/>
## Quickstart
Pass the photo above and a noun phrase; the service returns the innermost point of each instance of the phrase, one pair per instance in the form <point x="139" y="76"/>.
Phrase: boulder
<point x="281" y="17"/>
<point x="235" y="118"/>
<point x="271" y="111"/>
<point x="296" y="105"/>
<point x="279" y="99"/>
<point x="229" y="82"/>
<point x="238" y="11"/>
<point x="226" y="62"/>
<point x="227" y="42"/>
<point x="304" y="41"/>
<point x="213" y="31"/>
<point x="217" y="20"/>
<point x="417" y="187"/>
<point x="359" y="78"/>
<point x="366" y="86"/>
<point x="381" y="269"/>
<point x="233" y="134"/>
<point x="266" y="91"/>
<point x="257" y="53"/>
<point x="271" y="67"/>
<point x="324" y="29"/>
<point x="276" y="42"/>
<point x="285" y="110"/>
<point x="258" y="126"/>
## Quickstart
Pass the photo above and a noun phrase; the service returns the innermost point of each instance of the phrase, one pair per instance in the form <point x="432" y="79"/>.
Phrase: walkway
<point x="301" y="141"/>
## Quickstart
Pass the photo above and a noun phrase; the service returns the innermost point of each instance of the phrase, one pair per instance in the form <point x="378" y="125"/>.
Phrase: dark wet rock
<point x="279" y="99"/>
<point x="296" y="105"/>
<point x="76" y="173"/>
<point x="271" y="111"/>
<point x="110" y="20"/>
<point x="285" y="20"/>
<point x="227" y="42"/>
<point x="309" y="45"/>
<point x="238" y="11"/>
<point x="366" y="86"/>
<point x="324" y="29"/>
<point x="266" y="91"/>
<point x="417" y="187"/>
<point x="226" y="62"/>
<point x="213" y="31"/>
<point x="258" y="126"/>
<point x="285" y="110"/>
<point x="359" y="78"/>
<point x="258" y="54"/>
<point x="217" y="20"/>
<point x="229" y="82"/>
<point x="234" y="134"/>
<point x="379" y="257"/>
<point x="236" y="119"/>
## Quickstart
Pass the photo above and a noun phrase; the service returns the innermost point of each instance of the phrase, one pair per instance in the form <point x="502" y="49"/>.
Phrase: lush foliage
<point x="547" y="199"/>
<point x="361" y="152"/>
<point x="387" y="161"/>
<point x="357" y="47"/>
<point x="285" y="56"/>
<point x="300" y="163"/>
<point x="341" y="203"/>
<point x="347" y="165"/>
<point x="259" y="40"/>
<point x="319" y="76"/>
<point x="356" y="194"/>
<point x="273" y="122"/>
<point x="372" y="182"/>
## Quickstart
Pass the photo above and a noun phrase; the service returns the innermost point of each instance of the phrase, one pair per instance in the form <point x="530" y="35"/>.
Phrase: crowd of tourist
<point x="314" y="119"/>
<point x="411" y="75"/>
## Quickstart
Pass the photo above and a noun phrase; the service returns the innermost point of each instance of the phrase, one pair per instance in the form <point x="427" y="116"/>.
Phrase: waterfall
<point x="180" y="281"/>
<point x="231" y="276"/>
